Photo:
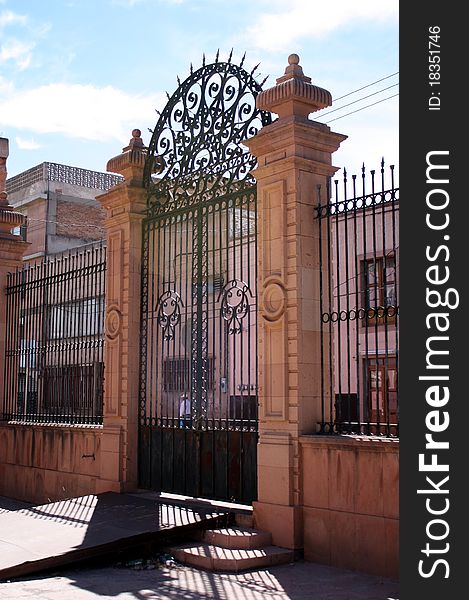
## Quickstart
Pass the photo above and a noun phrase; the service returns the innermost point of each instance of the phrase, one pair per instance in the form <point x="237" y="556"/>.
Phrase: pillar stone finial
<point x="294" y="94"/>
<point x="135" y="141"/>
<point x="8" y="217"/>
<point x="4" y="153"/>
<point x="130" y="163"/>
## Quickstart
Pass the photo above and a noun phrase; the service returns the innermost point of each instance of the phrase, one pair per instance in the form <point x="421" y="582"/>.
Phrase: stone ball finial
<point x="135" y="141"/>
<point x="294" y="70"/>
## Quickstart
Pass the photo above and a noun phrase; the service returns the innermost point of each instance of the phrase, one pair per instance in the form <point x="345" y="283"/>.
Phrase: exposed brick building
<point x="60" y="206"/>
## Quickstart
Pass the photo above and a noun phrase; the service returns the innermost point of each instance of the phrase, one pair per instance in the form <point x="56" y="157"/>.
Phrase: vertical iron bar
<point x="332" y="382"/>
<point x="319" y="217"/>
<point x="7" y="365"/>
<point x="395" y="233"/>
<point x="377" y="277"/>
<point x="360" y="399"/>
<point x="213" y="366"/>
<point x="159" y="345"/>
<point x="366" y="299"/>
<point x="32" y="334"/>
<point x="384" y="220"/>
<point x="338" y="287"/>
<point x="349" y="429"/>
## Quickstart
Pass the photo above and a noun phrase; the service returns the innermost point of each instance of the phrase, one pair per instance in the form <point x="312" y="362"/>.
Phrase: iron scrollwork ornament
<point x="168" y="312"/>
<point x="234" y="304"/>
<point x="196" y="151"/>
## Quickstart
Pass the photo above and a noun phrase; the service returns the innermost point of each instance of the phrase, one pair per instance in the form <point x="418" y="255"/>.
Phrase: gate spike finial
<point x="230" y="56"/>
<point x="203" y="60"/>
<point x="168" y="96"/>
<point x="252" y="72"/>
<point x="218" y="54"/>
<point x="242" y="60"/>
<point x="192" y="69"/>
<point x="178" y="80"/>
<point x="264" y="80"/>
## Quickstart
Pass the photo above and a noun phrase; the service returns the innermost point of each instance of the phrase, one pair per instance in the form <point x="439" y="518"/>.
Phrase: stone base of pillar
<point x="111" y="456"/>
<point x="285" y="523"/>
<point x="108" y="486"/>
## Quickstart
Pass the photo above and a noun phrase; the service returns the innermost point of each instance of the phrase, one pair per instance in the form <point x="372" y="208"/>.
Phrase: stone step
<point x="214" y="558"/>
<point x="244" y="519"/>
<point x="242" y="538"/>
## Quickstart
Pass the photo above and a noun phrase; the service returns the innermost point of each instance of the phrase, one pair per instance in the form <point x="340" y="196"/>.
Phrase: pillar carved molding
<point x="125" y="206"/>
<point x="294" y="162"/>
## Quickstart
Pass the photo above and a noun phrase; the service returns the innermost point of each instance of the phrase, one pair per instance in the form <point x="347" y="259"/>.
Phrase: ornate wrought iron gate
<point x="198" y="403"/>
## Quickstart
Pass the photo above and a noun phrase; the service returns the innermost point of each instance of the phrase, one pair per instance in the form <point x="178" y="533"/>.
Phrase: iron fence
<point x="359" y="267"/>
<point x="54" y="366"/>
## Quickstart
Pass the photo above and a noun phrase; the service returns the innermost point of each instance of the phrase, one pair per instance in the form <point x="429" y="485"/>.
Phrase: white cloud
<point x="26" y="144"/>
<point x="79" y="111"/>
<point x="19" y="52"/>
<point x="279" y="30"/>
<point x="8" y="17"/>
<point x="6" y="87"/>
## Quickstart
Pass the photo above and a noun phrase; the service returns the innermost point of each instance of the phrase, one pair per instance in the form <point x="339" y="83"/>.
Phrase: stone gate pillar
<point x="294" y="164"/>
<point x="125" y="207"/>
<point x="12" y="248"/>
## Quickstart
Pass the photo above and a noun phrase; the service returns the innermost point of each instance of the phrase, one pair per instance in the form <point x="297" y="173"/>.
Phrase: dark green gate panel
<point x="198" y="392"/>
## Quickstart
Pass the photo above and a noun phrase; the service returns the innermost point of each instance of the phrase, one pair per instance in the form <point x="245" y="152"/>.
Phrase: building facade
<point x="59" y="203"/>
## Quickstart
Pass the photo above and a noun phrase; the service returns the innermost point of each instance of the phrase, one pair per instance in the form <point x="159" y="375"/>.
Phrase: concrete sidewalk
<point x="34" y="538"/>
<point x="297" y="581"/>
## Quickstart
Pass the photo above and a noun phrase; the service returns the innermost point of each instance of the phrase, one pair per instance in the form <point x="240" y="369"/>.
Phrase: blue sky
<point x="76" y="76"/>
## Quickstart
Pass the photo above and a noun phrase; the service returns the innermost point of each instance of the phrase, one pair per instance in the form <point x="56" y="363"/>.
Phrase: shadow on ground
<point x="297" y="581"/>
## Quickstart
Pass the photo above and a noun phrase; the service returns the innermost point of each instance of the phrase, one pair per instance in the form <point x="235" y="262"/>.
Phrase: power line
<point x="359" y="109"/>
<point x="365" y="86"/>
<point x="359" y="100"/>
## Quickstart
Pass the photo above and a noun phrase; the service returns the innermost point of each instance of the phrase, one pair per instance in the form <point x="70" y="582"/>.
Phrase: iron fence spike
<point x="254" y="69"/>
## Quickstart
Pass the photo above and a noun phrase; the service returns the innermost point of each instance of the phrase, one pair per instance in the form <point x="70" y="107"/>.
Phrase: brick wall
<point x="80" y="220"/>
